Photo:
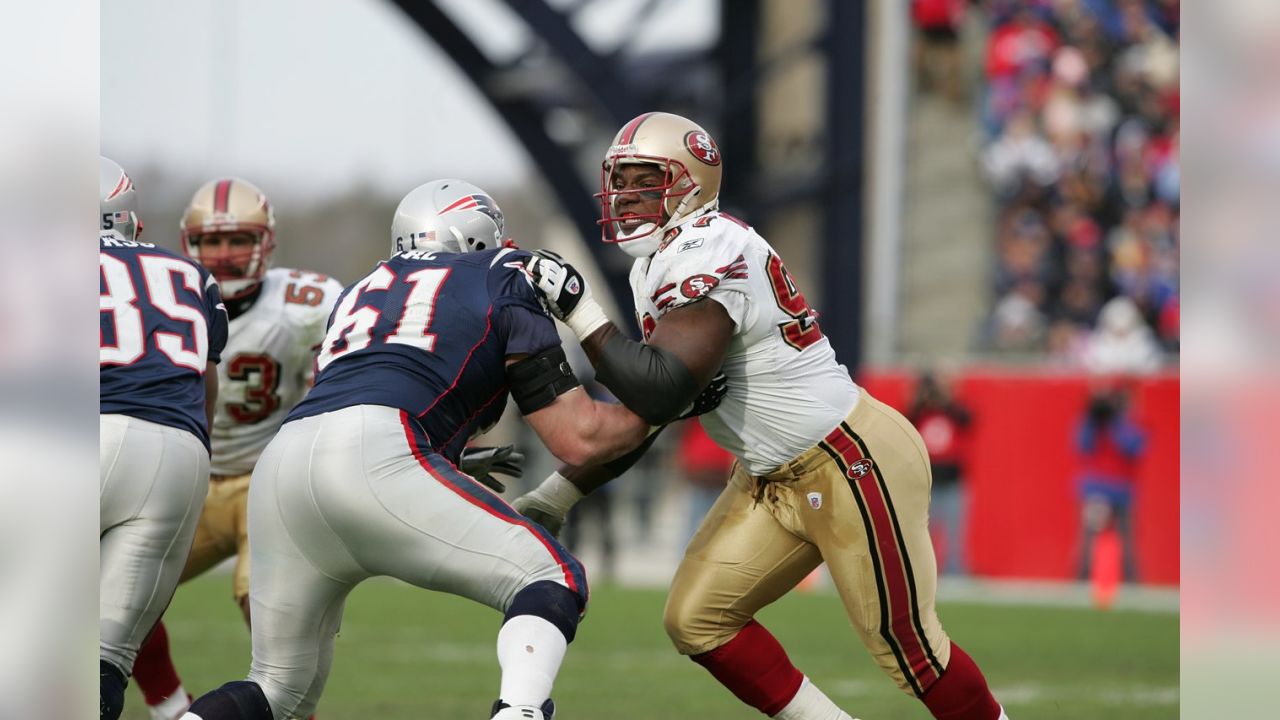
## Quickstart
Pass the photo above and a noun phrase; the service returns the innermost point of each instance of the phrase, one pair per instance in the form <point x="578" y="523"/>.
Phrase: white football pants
<point x="355" y="493"/>
<point x="152" y="480"/>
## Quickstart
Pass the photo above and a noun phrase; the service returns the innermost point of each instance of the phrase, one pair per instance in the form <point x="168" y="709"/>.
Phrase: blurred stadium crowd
<point x="1079" y="109"/>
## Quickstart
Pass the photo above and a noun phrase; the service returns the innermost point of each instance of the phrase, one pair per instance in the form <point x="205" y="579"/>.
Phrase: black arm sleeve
<point x="652" y="382"/>
<point x="538" y="380"/>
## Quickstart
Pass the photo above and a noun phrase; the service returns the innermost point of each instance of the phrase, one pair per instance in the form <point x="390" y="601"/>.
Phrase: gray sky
<point x="310" y="97"/>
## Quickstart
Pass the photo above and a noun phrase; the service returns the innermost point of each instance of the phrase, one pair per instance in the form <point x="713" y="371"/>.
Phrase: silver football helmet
<point x="117" y="200"/>
<point x="447" y="216"/>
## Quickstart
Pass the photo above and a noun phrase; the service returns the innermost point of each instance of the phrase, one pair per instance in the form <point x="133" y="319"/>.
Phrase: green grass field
<point x="405" y="653"/>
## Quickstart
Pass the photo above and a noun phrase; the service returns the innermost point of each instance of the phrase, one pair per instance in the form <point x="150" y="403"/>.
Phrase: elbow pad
<point x="539" y="379"/>
<point x="652" y="382"/>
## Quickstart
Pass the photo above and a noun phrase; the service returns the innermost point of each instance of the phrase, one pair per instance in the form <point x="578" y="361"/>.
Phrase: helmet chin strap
<point x="240" y="286"/>
<point x="645" y="244"/>
<point x="648" y="237"/>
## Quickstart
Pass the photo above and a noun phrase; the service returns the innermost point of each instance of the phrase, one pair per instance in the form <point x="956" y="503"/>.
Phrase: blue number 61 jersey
<point x="429" y="333"/>
<point x="161" y="321"/>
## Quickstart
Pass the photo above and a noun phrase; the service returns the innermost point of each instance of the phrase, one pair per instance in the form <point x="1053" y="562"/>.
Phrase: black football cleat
<point x="503" y="711"/>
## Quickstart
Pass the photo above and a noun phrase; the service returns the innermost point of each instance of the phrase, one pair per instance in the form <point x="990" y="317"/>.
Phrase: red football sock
<point x="755" y="668"/>
<point x="961" y="693"/>
<point x="153" y="670"/>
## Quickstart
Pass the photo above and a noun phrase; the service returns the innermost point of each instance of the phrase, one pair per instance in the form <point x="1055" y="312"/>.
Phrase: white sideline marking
<point x="1054" y="594"/>
<point x="1029" y="693"/>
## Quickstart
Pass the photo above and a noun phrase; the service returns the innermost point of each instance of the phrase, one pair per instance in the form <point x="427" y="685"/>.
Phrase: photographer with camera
<point x="1110" y="444"/>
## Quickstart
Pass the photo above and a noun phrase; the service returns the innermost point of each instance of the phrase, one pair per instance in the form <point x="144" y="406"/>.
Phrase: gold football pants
<point x="858" y="500"/>
<point x="223" y="531"/>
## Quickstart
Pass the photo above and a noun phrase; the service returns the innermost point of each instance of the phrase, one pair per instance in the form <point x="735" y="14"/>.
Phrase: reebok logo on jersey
<point x="815" y="500"/>
<point x="860" y="469"/>
<point x="689" y="245"/>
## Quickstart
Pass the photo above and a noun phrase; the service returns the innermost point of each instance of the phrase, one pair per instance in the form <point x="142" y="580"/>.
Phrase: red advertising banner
<point x="1022" y="466"/>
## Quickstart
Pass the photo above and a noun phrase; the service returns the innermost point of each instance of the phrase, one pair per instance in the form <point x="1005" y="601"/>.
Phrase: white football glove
<point x="549" y="503"/>
<point x="565" y="293"/>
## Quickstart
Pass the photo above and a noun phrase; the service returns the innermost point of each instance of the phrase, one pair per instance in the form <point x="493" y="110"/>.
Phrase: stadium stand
<point x="1079" y="104"/>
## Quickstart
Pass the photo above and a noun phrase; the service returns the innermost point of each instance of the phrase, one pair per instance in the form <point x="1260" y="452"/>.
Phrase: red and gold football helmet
<point x="690" y="161"/>
<point x="230" y="229"/>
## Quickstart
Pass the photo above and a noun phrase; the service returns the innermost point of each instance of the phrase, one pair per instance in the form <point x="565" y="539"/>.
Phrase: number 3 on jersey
<point x="803" y="331"/>
<point x="352" y="327"/>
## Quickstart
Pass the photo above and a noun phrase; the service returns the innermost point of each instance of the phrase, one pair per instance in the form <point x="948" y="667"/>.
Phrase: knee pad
<point x="111" y="683"/>
<point x="552" y="602"/>
<point x="242" y="700"/>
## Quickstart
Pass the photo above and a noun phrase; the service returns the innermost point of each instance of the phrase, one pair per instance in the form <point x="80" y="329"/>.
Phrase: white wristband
<point x="558" y="492"/>
<point x="586" y="318"/>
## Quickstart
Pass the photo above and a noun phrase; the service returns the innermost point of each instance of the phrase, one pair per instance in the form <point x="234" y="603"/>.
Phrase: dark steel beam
<point x="597" y="74"/>
<point x="527" y="121"/>
<point x="842" y="282"/>
<point x="738" y="57"/>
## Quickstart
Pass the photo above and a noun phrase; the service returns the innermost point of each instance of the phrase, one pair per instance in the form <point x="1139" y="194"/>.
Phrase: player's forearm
<point x="210" y="394"/>
<point x="610" y="431"/>
<point x="550" y="501"/>
<point x="587" y="478"/>
<point x="593" y="344"/>
<point x="653" y="382"/>
<point x="590" y="478"/>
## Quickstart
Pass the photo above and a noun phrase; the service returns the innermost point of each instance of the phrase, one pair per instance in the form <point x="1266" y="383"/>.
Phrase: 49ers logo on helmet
<point x="698" y="285"/>
<point x="701" y="146"/>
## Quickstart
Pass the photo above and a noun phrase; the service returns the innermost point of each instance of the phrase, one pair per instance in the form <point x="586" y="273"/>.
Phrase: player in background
<point x="824" y="471"/>
<point x="361" y="481"/>
<point x="278" y="320"/>
<point x="162" y="327"/>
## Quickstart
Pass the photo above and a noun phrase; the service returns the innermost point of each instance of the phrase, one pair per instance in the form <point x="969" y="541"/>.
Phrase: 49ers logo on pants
<point x="860" y="468"/>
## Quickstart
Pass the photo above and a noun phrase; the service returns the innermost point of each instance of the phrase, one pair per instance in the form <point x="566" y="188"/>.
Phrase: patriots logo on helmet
<point x="701" y="146"/>
<point x="860" y="468"/>
<point x="479" y="203"/>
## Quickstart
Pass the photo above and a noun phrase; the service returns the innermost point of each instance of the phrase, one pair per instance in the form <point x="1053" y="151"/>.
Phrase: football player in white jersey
<point x="278" y="318"/>
<point x="824" y="472"/>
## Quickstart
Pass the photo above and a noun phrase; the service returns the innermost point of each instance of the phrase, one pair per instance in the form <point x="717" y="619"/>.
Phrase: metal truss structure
<point x="559" y="75"/>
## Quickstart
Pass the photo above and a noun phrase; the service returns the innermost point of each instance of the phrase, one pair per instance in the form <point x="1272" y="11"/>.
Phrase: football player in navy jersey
<point x="162" y="329"/>
<point x="420" y="355"/>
